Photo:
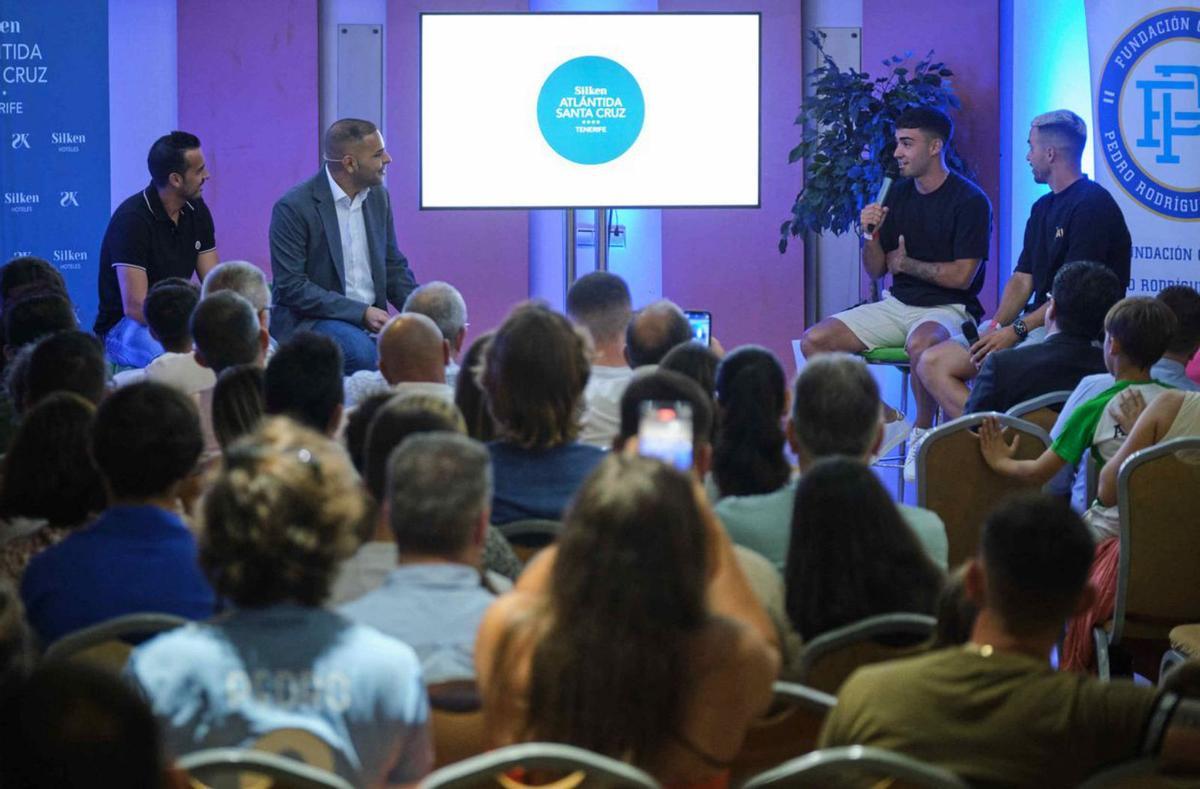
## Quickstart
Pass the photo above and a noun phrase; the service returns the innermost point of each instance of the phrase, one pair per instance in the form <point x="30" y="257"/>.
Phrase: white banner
<point x="1145" y="59"/>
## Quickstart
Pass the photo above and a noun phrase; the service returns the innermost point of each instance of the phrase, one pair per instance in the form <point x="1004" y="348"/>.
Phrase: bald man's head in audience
<point x="654" y="330"/>
<point x="412" y="349"/>
<point x="836" y="410"/>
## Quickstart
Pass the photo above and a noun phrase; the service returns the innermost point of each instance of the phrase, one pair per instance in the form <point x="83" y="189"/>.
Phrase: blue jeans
<point x="129" y="344"/>
<point x="358" y="349"/>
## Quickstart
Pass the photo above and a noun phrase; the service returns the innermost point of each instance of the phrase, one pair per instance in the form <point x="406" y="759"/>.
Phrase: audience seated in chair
<point x="955" y="611"/>
<point x="600" y="302"/>
<point x="468" y="394"/>
<point x="534" y="373"/>
<point x="666" y="386"/>
<point x="28" y="273"/>
<point x="413" y="356"/>
<point x="1184" y="303"/>
<point x="358" y="421"/>
<point x="851" y="555"/>
<point x="73" y="727"/>
<point x="49" y="487"/>
<point x="994" y="711"/>
<point x="682" y="677"/>
<point x="226" y="332"/>
<point x="696" y="361"/>
<point x="277" y="521"/>
<point x="752" y="474"/>
<point x="168" y="311"/>
<point x="36" y="314"/>
<point x="370" y="566"/>
<point x="145" y="442"/>
<point x="836" y="410"/>
<point x="442" y="303"/>
<point x="248" y="281"/>
<point x="1172" y="414"/>
<point x="437" y="504"/>
<point x="654" y="330"/>
<point x="1137" y="331"/>
<point x="67" y="361"/>
<point x="1081" y="296"/>
<point x="303" y="381"/>
<point x="237" y="403"/>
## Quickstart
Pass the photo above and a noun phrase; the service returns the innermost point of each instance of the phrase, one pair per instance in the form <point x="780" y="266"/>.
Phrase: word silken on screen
<point x="590" y="110"/>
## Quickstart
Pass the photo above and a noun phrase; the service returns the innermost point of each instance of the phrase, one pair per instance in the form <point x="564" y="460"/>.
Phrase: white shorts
<point x="888" y="323"/>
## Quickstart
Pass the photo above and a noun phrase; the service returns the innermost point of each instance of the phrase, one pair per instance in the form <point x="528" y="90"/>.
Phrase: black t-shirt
<point x="950" y="223"/>
<point x="1082" y="222"/>
<point x="141" y="234"/>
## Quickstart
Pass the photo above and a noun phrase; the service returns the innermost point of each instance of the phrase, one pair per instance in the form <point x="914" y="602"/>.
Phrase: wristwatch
<point x="1020" y="328"/>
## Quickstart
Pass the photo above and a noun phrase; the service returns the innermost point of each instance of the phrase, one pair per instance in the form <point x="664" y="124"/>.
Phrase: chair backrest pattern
<point x="856" y="765"/>
<point x="830" y="658"/>
<point x="1158" y="495"/>
<point x="956" y="482"/>
<point x="482" y="771"/>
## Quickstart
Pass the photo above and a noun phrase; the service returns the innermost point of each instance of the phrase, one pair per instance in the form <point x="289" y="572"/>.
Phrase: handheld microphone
<point x="884" y="186"/>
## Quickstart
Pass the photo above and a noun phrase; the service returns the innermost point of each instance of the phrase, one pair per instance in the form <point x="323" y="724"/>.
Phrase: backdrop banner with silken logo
<point x="54" y="154"/>
<point x="1145" y="59"/>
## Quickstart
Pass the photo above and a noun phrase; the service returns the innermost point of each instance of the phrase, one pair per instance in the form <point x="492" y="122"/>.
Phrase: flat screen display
<point x="579" y="110"/>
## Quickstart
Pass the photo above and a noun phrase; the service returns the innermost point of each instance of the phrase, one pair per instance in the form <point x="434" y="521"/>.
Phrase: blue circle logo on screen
<point x="590" y="110"/>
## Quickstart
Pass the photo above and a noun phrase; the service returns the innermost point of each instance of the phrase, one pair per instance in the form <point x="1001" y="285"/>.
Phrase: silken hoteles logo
<point x="68" y="199"/>
<point x="67" y="142"/>
<point x="21" y="202"/>
<point x="20" y="141"/>
<point x="1148" y="112"/>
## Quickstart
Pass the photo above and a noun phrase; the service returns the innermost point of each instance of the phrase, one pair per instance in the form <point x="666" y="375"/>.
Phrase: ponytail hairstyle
<point x="748" y="455"/>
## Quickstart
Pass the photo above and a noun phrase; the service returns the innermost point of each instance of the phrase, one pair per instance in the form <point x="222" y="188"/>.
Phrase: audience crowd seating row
<point x="467" y="569"/>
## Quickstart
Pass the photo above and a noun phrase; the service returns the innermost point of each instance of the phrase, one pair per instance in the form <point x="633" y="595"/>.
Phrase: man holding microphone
<point x="1077" y="220"/>
<point x="931" y="234"/>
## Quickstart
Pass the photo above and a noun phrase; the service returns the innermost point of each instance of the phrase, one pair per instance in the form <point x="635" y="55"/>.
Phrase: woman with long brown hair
<point x="620" y="651"/>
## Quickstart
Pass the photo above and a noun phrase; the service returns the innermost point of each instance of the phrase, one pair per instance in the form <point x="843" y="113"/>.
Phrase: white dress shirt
<point x="356" y="255"/>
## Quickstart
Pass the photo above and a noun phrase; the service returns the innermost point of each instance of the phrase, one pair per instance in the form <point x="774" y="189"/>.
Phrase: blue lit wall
<point x="1044" y="66"/>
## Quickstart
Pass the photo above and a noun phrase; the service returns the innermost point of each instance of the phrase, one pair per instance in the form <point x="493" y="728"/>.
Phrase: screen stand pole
<point x="601" y="235"/>
<point x="568" y="252"/>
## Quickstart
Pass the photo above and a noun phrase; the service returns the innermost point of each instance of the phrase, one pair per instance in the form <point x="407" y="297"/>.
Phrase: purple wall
<point x="248" y="89"/>
<point x="966" y="36"/>
<point x="727" y="261"/>
<point x="485" y="254"/>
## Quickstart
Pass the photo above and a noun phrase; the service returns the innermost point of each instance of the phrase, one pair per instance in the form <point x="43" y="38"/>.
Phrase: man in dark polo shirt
<point x="1077" y="220"/>
<point x="931" y="234"/>
<point x="163" y="231"/>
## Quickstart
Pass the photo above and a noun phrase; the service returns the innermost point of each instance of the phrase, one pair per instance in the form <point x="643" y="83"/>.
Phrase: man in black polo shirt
<point x="163" y="231"/>
<point x="1077" y="220"/>
<point x="931" y="234"/>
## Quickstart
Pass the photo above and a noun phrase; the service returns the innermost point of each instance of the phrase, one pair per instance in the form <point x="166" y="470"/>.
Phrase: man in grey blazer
<point x="334" y="258"/>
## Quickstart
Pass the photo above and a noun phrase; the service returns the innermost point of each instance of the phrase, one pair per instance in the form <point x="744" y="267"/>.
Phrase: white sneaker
<point x="915" y="439"/>
<point x="894" y="434"/>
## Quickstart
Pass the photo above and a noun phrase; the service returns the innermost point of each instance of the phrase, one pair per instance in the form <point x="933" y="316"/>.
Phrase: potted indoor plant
<point x="847" y="127"/>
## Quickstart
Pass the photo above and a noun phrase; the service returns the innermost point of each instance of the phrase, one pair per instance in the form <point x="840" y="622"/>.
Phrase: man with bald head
<point x="334" y="257"/>
<point x="412" y="360"/>
<point x="444" y="305"/>
<point x="654" y="330"/>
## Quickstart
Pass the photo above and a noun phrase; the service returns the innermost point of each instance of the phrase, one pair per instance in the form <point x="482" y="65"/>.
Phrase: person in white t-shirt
<point x="600" y="302"/>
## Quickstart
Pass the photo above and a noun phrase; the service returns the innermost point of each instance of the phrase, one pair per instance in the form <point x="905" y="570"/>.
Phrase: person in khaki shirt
<point x="994" y="711"/>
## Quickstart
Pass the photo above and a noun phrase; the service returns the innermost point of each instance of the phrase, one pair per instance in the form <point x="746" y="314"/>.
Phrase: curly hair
<point x="281" y="516"/>
<point x="534" y="373"/>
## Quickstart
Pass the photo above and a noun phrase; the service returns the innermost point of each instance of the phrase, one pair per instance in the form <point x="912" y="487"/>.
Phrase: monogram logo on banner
<point x="68" y="199"/>
<point x="1148" y="113"/>
<point x="20" y="140"/>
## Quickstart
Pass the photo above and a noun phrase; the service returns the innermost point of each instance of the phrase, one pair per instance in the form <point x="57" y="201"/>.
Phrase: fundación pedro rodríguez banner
<point x="54" y="155"/>
<point x="1145" y="59"/>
